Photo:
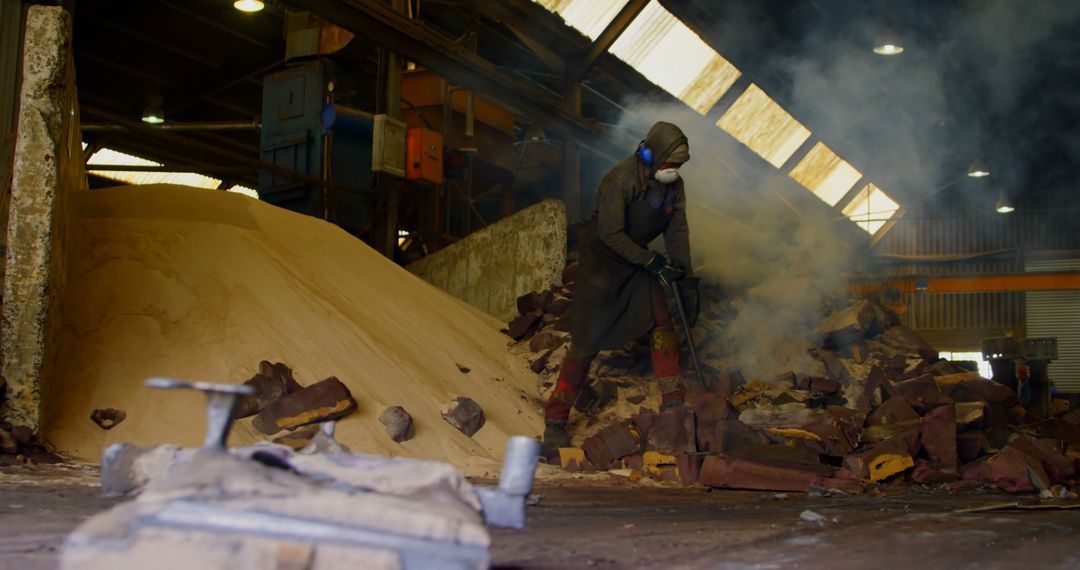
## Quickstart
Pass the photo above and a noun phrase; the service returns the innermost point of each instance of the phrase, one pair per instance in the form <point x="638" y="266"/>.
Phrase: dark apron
<point x="612" y="300"/>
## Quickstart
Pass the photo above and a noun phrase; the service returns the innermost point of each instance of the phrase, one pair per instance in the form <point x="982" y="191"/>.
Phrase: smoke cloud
<point x="773" y="264"/>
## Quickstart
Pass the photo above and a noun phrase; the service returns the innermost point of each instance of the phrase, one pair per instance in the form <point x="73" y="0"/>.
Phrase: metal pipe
<point x="470" y="117"/>
<point x="192" y="126"/>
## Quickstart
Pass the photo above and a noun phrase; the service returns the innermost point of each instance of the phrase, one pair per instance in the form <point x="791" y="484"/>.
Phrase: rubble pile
<point x="19" y="446"/>
<point x="879" y="407"/>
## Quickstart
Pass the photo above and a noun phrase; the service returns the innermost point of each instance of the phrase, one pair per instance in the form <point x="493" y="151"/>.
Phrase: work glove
<point x="690" y="296"/>
<point x="667" y="273"/>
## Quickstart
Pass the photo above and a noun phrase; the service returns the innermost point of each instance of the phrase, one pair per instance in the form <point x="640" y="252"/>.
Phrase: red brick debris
<point x="886" y="411"/>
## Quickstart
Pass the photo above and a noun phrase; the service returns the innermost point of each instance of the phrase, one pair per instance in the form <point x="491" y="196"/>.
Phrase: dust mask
<point x="667" y="175"/>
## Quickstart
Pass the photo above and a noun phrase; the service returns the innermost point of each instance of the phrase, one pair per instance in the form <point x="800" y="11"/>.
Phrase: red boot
<point x="665" y="359"/>
<point x="557" y="410"/>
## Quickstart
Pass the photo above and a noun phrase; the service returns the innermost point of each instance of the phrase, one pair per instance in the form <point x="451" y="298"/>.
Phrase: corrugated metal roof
<point x="671" y="55"/>
<point x="871" y="208"/>
<point x="763" y="125"/>
<point x="589" y="17"/>
<point x="825" y="174"/>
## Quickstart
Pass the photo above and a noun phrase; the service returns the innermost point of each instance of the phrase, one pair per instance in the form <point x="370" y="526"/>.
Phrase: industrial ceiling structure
<point x="875" y="137"/>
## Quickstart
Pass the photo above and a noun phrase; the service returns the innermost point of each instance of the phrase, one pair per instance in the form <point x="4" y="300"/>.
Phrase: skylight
<point x="825" y="174"/>
<point x="589" y="17"/>
<point x="763" y="125"/>
<point x="671" y="55"/>
<point x="110" y="157"/>
<point x="871" y="208"/>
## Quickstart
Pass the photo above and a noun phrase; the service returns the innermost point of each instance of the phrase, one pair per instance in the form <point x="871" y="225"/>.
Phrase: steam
<point x="910" y="123"/>
<point x="773" y="265"/>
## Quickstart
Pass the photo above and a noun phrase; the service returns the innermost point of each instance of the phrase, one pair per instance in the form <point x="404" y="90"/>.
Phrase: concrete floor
<point x="612" y="523"/>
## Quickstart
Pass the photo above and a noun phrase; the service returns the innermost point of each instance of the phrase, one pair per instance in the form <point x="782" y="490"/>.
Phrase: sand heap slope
<point x="196" y="284"/>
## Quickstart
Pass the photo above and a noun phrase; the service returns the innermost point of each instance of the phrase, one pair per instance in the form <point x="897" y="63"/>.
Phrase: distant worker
<point x="619" y="292"/>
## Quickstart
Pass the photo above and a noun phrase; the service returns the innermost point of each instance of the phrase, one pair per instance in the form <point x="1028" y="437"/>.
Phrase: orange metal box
<point x="424" y="156"/>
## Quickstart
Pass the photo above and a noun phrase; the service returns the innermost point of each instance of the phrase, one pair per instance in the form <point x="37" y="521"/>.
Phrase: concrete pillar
<point x="47" y="172"/>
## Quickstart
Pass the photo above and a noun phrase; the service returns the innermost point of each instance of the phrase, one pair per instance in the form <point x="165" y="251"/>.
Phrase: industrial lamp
<point x="978" y="169"/>
<point x="1004" y="205"/>
<point x="248" y="5"/>
<point x="153" y="112"/>
<point x="888" y="42"/>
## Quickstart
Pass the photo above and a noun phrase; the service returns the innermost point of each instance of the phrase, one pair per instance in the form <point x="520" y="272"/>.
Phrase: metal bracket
<point x="220" y="401"/>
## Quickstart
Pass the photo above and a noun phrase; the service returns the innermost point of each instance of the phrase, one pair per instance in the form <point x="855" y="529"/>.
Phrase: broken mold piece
<point x="327" y="400"/>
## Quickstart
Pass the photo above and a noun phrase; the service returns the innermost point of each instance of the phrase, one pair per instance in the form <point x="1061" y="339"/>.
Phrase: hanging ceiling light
<point x="888" y="42"/>
<point x="153" y="113"/>
<point x="248" y="5"/>
<point x="978" y="169"/>
<point x="1004" y="205"/>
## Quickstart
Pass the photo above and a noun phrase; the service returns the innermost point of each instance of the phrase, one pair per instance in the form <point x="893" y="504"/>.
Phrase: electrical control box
<point x="388" y="145"/>
<point x="424" y="157"/>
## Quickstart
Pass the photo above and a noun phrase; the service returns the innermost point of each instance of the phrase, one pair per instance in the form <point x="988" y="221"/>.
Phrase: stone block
<point x="926" y="473"/>
<point x="938" y="437"/>
<point x="398" y="423"/>
<point x="524" y="324"/>
<point x="922" y="393"/>
<point x="689" y="467"/>
<point x="970" y="446"/>
<point x="894" y="411"/>
<point x="546" y="340"/>
<point x="464" y="414"/>
<point x="990" y="392"/>
<point x="1058" y="468"/>
<point x="672" y="431"/>
<point x="709" y="409"/>
<point x="597" y="452"/>
<point x="1016" y="472"/>
<point x="749" y="473"/>
<point x="977" y="471"/>
<point x="621" y="439"/>
<point x="327" y="400"/>
<point x="839" y="430"/>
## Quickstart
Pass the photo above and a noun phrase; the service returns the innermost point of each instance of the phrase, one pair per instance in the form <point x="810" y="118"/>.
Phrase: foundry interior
<point x="318" y="284"/>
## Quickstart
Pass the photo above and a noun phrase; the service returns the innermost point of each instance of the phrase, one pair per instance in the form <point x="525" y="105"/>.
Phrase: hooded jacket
<point x="612" y="301"/>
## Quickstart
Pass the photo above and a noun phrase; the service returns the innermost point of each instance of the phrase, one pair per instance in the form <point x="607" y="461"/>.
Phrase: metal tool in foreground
<point x="689" y="336"/>
<point x="220" y="401"/>
<point x="505" y="505"/>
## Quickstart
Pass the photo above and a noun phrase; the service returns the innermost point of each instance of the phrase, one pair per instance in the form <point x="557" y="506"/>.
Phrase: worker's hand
<point x="690" y="295"/>
<point x="667" y="273"/>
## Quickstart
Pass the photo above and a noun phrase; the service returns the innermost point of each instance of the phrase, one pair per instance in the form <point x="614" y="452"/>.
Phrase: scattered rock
<point x="465" y="415"/>
<point x="811" y="517"/>
<point x="462" y="369"/>
<point x="8" y="444"/>
<point x="108" y="418"/>
<point x="398" y="423"/>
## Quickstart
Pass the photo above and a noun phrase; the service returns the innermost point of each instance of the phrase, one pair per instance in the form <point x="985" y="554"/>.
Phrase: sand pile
<point x="193" y="284"/>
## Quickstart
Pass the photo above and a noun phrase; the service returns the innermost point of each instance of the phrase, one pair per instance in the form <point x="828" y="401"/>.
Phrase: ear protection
<point x="645" y="153"/>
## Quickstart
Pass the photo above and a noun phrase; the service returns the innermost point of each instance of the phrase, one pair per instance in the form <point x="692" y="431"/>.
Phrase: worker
<point x="619" y="294"/>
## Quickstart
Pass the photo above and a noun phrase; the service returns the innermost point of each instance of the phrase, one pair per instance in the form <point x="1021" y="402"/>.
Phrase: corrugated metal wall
<point x="960" y="321"/>
<point x="1057" y="314"/>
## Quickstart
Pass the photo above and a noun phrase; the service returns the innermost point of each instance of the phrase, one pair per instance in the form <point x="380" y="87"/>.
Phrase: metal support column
<point x="384" y="226"/>
<point x="571" y="175"/>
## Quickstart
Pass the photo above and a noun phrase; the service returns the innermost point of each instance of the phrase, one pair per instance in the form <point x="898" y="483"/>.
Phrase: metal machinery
<point x="1022" y="364"/>
<point x="317" y="120"/>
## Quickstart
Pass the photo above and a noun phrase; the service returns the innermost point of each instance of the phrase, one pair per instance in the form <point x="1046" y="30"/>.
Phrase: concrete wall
<point x="491" y="268"/>
<point x="47" y="172"/>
